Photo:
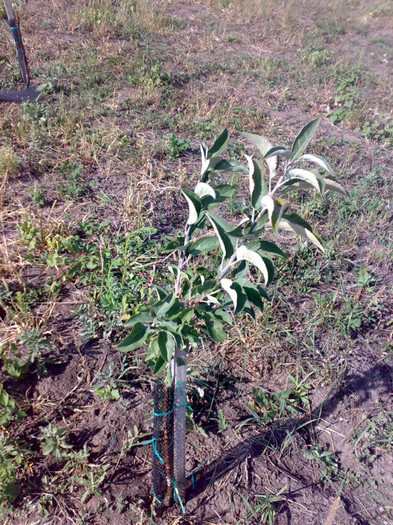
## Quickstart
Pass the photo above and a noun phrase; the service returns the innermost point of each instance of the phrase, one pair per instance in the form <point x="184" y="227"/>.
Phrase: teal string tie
<point x="197" y="470"/>
<point x="14" y="28"/>
<point x="163" y="414"/>
<point x="184" y="398"/>
<point x="177" y="496"/>
<point x="154" y="443"/>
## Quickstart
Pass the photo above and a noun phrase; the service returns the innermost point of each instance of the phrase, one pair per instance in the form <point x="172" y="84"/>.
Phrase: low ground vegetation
<point x="291" y="415"/>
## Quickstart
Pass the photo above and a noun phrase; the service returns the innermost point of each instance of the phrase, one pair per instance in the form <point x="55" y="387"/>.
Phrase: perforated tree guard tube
<point x="162" y="443"/>
<point x="180" y="407"/>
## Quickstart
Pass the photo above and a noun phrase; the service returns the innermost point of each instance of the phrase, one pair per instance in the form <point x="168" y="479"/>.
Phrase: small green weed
<point x="373" y="435"/>
<point x="9" y="410"/>
<point x="31" y="349"/>
<point x="92" y="481"/>
<point x="178" y="146"/>
<point x="316" y="57"/>
<point x="12" y="459"/>
<point x="54" y="441"/>
<point x="275" y="405"/>
<point x="326" y="459"/>
<point x="267" y="505"/>
<point x="107" y="387"/>
<point x="73" y="186"/>
<point x="37" y="195"/>
<point x="347" y="98"/>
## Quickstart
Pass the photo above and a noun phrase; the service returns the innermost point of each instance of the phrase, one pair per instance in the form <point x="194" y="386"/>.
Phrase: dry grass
<point x="118" y="81"/>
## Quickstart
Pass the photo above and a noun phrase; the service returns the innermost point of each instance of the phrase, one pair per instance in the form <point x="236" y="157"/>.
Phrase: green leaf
<point x="257" y="182"/>
<point x="160" y="308"/>
<point x="255" y="293"/>
<point x="209" y="203"/>
<point x="139" y="318"/>
<point x="219" y="145"/>
<point x="264" y="145"/>
<point x="266" y="247"/>
<point x="204" y="245"/>
<point x="153" y="351"/>
<point x="166" y="345"/>
<point x="175" y="244"/>
<point x="244" y="254"/>
<point x="160" y="364"/>
<point x="241" y="297"/>
<point x="161" y="292"/>
<point x="190" y="334"/>
<point x="11" y="491"/>
<point x="194" y="205"/>
<point x="135" y="339"/>
<point x="309" y="177"/>
<point x="232" y="166"/>
<point x="320" y="161"/>
<point x="225" y="190"/>
<point x="202" y="189"/>
<point x="304" y="138"/>
<point x="298" y="225"/>
<point x="223" y="315"/>
<point x="241" y="270"/>
<point x="215" y="329"/>
<point x="221" y="227"/>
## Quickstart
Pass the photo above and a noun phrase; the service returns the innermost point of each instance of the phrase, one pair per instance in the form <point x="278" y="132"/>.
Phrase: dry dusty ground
<point x="115" y="86"/>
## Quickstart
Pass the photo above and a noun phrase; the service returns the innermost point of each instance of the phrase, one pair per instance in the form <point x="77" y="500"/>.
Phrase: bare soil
<point x="235" y="462"/>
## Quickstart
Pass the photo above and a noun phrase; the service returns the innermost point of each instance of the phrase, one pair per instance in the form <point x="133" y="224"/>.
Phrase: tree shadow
<point x="363" y="385"/>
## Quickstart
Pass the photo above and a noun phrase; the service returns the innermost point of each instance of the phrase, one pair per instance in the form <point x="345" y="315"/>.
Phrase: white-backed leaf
<point x="280" y="205"/>
<point x="202" y="189"/>
<point x="304" y="138"/>
<point x="244" y="254"/>
<point x="211" y="299"/>
<point x="298" y="225"/>
<point x="309" y="177"/>
<point x="319" y="161"/>
<point x="267" y="203"/>
<point x="332" y="185"/>
<point x="204" y="159"/>
<point x="278" y="151"/>
<point x="264" y="145"/>
<point x="226" y="285"/>
<point x="194" y="205"/>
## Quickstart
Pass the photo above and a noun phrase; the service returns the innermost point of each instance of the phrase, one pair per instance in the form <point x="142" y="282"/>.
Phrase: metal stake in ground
<point x="30" y="93"/>
<point x="15" y="31"/>
<point x="180" y="404"/>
